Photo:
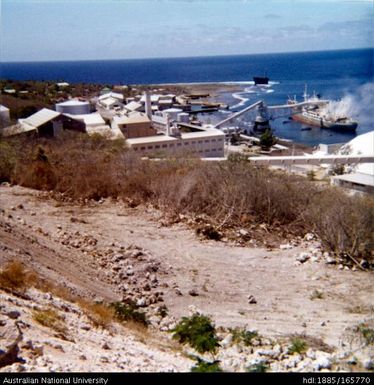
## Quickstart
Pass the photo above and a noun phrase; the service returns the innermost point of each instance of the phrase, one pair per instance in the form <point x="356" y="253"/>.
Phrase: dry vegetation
<point x="225" y="195"/>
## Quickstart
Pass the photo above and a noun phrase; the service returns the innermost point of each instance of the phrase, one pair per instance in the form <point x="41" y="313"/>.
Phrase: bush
<point x="267" y="139"/>
<point x="8" y="159"/>
<point x="343" y="223"/>
<point x="203" y="366"/>
<point x="241" y="335"/>
<point x="298" y="345"/>
<point x="129" y="312"/>
<point x="100" y="314"/>
<point x="198" y="332"/>
<point x="14" y="277"/>
<point x="367" y="333"/>
<point x="260" y="367"/>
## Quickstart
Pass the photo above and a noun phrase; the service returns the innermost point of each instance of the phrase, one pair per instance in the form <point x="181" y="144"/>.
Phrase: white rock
<point x="322" y="362"/>
<point x="286" y="246"/>
<point x="368" y="364"/>
<point x="309" y="237"/>
<point x="303" y="257"/>
<point x="226" y="341"/>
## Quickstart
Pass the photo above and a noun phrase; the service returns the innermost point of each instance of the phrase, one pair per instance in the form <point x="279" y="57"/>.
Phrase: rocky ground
<point x="106" y="251"/>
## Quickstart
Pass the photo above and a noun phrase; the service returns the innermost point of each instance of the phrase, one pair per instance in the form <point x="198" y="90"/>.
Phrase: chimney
<point x="148" y="108"/>
<point x="168" y="124"/>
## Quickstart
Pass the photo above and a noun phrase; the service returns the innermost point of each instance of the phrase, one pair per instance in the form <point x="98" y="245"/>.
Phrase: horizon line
<point x="185" y="57"/>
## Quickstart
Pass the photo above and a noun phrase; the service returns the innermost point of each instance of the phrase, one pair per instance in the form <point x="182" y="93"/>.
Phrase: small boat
<point x="305" y="128"/>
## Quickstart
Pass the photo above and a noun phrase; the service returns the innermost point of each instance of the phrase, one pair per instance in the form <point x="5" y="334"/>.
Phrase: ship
<point x="260" y="80"/>
<point x="318" y="115"/>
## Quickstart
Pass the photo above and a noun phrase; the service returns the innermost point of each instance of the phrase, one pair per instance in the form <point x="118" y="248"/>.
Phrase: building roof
<point x="133" y="106"/>
<point x="16" y="129"/>
<point x="173" y="110"/>
<point x="361" y="145"/>
<point x="39" y="118"/>
<point x="358" y="178"/>
<point x="109" y="101"/>
<point x="93" y="119"/>
<point x="73" y="102"/>
<point x="132" y="117"/>
<point x="111" y="94"/>
<point x="151" y="139"/>
<point x="202" y="134"/>
<point x="3" y="108"/>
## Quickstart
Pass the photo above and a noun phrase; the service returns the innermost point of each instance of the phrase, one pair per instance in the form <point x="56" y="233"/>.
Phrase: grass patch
<point x="100" y="314"/>
<point x="52" y="319"/>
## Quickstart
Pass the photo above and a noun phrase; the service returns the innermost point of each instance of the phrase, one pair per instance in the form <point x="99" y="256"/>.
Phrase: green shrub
<point x="206" y="367"/>
<point x="197" y="331"/>
<point x="260" y="367"/>
<point x="241" y="335"/>
<point x="129" y="312"/>
<point x="367" y="333"/>
<point x="298" y="345"/>
<point x="267" y="139"/>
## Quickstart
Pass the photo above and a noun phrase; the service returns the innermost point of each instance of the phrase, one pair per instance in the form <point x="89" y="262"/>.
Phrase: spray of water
<point x="358" y="105"/>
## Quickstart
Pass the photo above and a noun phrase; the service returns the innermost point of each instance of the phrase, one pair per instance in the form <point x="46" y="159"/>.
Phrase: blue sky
<point x="37" y="30"/>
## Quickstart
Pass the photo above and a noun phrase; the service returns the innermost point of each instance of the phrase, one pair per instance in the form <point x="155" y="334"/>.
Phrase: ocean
<point x="345" y="75"/>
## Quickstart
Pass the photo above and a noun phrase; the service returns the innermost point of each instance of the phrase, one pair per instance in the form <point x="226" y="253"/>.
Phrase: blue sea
<point x="345" y="75"/>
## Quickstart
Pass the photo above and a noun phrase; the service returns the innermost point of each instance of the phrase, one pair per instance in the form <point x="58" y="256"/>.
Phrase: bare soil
<point x="221" y="274"/>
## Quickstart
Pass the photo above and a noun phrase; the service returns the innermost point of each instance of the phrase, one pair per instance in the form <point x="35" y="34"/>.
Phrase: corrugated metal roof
<point x="133" y="117"/>
<point x="41" y="117"/>
<point x="88" y="119"/>
<point x="115" y="95"/>
<point x="72" y="102"/>
<point x="133" y="106"/>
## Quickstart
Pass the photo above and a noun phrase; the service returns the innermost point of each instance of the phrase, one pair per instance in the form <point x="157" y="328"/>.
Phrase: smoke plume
<point x="358" y="105"/>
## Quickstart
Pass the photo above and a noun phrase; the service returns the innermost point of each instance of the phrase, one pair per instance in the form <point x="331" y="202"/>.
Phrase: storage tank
<point x="73" y="107"/>
<point x="183" y="117"/>
<point x="172" y="112"/>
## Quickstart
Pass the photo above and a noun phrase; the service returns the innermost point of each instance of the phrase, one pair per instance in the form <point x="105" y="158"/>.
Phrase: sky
<point x="40" y="30"/>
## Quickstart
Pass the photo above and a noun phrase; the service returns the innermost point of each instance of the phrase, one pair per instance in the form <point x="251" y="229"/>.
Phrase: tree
<point x="267" y="139"/>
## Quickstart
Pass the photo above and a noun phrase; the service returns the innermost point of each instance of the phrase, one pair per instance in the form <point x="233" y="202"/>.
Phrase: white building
<point x="205" y="143"/>
<point x="361" y="176"/>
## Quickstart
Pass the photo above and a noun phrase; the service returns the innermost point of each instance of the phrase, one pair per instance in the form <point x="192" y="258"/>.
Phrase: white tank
<point x="172" y="112"/>
<point x="183" y="117"/>
<point x="73" y="107"/>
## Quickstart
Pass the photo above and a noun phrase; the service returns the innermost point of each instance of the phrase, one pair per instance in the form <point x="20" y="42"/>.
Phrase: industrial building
<point x="205" y="143"/>
<point x="43" y="123"/>
<point x="360" y="176"/>
<point x="133" y="125"/>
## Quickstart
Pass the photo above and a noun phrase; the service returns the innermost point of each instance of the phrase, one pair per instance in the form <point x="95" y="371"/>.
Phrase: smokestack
<point x="148" y="108"/>
<point x="168" y="125"/>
